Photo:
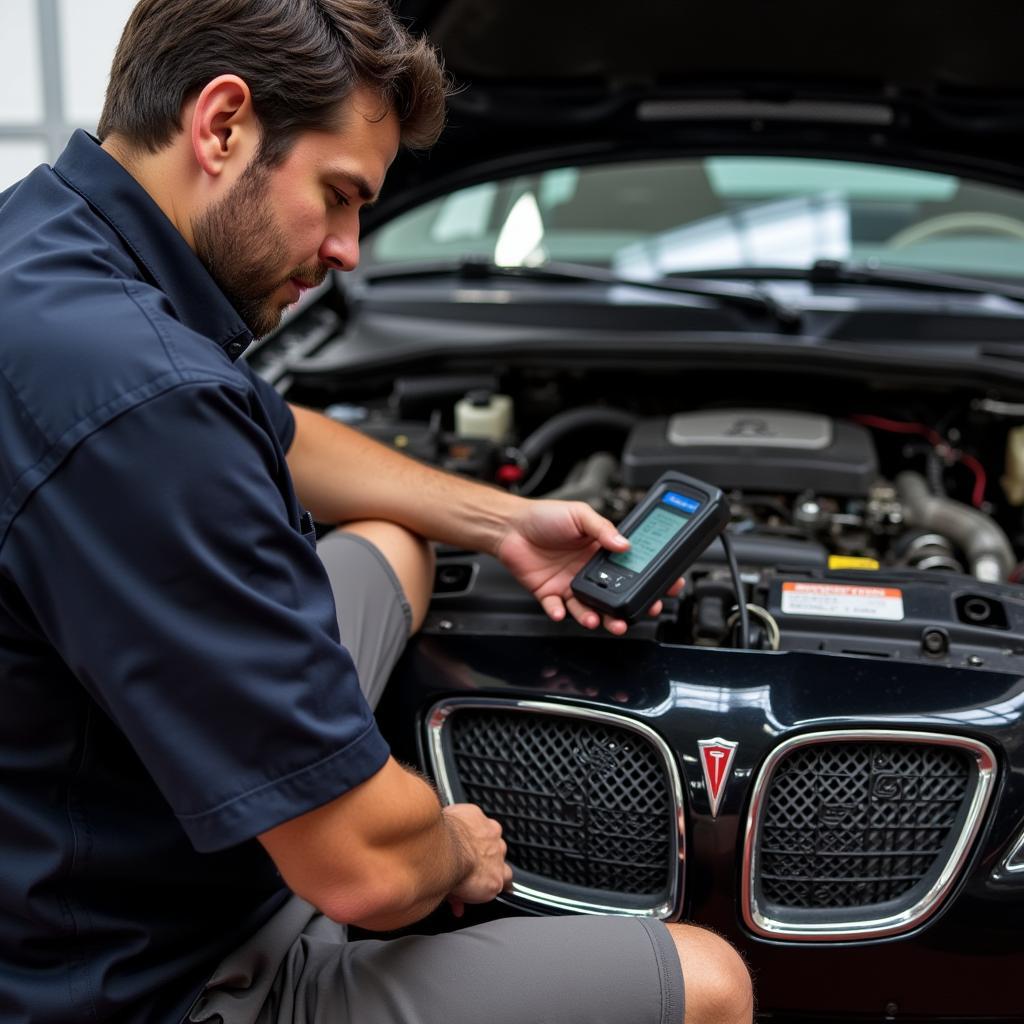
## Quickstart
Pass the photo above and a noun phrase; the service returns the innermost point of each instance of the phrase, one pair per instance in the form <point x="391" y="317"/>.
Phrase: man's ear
<point x="224" y="126"/>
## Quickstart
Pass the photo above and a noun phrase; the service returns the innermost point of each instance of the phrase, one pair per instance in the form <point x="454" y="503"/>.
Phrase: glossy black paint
<point x="964" y="962"/>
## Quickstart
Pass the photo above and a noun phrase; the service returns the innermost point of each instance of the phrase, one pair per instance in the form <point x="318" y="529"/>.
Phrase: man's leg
<point x="563" y="970"/>
<point x="718" y="989"/>
<point x="410" y="556"/>
<point x="300" y="967"/>
<point x="382" y="577"/>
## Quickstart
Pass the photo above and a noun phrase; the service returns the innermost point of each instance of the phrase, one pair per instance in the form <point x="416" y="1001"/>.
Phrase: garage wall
<point x="54" y="60"/>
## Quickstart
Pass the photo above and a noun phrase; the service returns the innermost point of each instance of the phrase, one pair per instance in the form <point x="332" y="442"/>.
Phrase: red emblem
<point x="716" y="759"/>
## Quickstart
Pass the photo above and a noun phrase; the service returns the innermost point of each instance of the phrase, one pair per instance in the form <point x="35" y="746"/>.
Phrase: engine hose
<point x="591" y="483"/>
<point x="933" y="465"/>
<point x="572" y="419"/>
<point x="986" y="546"/>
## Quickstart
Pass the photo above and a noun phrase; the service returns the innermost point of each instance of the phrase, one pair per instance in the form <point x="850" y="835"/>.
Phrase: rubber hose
<point x="564" y="423"/>
<point x="986" y="546"/>
<point x="592" y="483"/>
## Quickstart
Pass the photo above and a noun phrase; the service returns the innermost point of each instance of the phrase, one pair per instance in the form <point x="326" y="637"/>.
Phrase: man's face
<point x="280" y="229"/>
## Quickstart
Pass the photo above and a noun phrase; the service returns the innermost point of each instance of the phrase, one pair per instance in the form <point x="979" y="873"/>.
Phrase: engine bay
<point x="876" y="518"/>
<point x="868" y="522"/>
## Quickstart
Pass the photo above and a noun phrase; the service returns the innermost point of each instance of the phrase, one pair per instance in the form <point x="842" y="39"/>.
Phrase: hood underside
<point x="934" y="85"/>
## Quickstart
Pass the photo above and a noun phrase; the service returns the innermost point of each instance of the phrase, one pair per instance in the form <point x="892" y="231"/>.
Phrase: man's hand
<point x="543" y="543"/>
<point x="483" y="848"/>
<point x="549" y="543"/>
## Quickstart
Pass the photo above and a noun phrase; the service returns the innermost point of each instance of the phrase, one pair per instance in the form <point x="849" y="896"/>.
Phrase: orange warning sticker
<point x="840" y="601"/>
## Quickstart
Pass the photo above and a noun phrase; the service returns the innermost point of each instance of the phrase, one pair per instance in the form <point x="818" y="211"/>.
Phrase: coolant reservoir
<point x="1013" y="481"/>
<point x="484" y="414"/>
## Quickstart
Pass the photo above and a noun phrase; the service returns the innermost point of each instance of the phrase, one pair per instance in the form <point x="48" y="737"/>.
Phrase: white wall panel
<point x="21" y="84"/>
<point x="89" y="32"/>
<point x="18" y="157"/>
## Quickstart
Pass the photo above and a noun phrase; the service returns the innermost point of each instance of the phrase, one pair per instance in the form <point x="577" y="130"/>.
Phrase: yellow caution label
<point x="849" y="562"/>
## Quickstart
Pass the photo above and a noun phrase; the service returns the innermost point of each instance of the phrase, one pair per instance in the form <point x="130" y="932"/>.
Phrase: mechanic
<point x="194" y="796"/>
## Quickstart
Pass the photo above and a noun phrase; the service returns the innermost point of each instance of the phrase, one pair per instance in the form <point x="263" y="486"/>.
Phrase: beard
<point x="239" y="241"/>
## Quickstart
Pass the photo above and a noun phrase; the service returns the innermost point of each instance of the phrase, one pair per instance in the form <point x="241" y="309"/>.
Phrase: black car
<point x="780" y="248"/>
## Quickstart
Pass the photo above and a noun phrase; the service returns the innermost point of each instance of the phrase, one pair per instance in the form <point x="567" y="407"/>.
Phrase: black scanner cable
<point x="741" y="598"/>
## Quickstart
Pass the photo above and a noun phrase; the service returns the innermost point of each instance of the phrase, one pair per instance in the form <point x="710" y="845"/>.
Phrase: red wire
<point x="979" y="478"/>
<point x="898" y="427"/>
<point x="937" y="441"/>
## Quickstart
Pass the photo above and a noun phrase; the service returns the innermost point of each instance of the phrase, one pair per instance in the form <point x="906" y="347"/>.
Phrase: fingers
<point x="586" y="617"/>
<point x="458" y="905"/>
<point x="590" y="619"/>
<point x="617" y="627"/>
<point x="601" y="529"/>
<point x="554" y="607"/>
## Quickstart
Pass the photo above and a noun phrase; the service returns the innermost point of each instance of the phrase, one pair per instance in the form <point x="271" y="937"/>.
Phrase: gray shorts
<point x="300" y="967"/>
<point x="374" y="618"/>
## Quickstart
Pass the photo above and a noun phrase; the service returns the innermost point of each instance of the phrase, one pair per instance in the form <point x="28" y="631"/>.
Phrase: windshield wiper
<point x="839" y="272"/>
<point x="745" y="297"/>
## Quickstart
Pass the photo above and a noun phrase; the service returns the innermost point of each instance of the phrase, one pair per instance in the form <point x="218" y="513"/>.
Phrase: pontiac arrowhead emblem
<point x="716" y="759"/>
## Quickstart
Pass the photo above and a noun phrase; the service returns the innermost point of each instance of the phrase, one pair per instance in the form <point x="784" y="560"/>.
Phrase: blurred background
<point x="54" y="60"/>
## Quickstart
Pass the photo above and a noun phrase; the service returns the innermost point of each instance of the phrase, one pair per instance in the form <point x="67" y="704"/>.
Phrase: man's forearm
<point x="341" y="475"/>
<point x="446" y="863"/>
<point x="380" y="856"/>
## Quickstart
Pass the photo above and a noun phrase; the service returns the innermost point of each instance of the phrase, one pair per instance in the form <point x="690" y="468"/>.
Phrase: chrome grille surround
<point x="533" y="895"/>
<point x="1013" y="863"/>
<point x="864" y="926"/>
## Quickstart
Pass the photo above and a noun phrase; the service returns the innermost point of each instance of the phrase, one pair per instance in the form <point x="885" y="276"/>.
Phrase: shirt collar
<point x="156" y="245"/>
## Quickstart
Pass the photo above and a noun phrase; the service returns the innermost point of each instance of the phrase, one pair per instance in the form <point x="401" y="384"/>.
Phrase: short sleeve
<point x="276" y="407"/>
<point x="162" y="563"/>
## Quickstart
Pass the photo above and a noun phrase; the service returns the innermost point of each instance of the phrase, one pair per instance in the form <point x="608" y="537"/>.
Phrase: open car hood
<point x="927" y="84"/>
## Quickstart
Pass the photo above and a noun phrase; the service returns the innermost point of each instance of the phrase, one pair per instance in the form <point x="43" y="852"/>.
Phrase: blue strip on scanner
<point x="681" y="502"/>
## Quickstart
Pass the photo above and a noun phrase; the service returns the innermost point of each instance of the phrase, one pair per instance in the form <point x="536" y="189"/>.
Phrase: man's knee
<point x="716" y="980"/>
<point x="408" y="554"/>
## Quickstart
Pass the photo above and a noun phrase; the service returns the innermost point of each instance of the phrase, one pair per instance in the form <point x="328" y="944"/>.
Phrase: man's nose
<point x="341" y="252"/>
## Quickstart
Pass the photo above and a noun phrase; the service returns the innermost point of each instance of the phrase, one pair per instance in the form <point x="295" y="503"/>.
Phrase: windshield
<point x="718" y="213"/>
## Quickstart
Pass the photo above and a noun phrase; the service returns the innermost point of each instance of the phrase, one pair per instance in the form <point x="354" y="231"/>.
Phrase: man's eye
<point x="339" y="197"/>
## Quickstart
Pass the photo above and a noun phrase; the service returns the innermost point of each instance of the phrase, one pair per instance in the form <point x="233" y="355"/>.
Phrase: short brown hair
<point x="300" y="59"/>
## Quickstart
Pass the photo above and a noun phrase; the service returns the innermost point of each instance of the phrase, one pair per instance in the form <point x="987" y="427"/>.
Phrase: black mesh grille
<point x="580" y="802"/>
<point x="847" y="825"/>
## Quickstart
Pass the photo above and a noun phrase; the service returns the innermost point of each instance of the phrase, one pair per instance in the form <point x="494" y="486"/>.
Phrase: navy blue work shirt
<point x="171" y="679"/>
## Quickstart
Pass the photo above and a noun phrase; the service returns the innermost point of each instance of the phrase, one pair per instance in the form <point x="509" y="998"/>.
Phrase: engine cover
<point x="754" y="449"/>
